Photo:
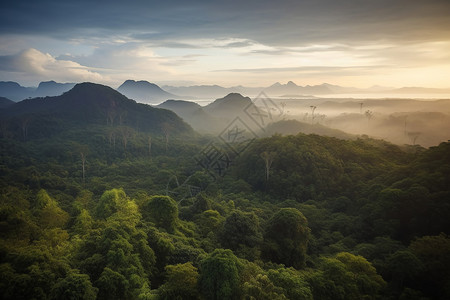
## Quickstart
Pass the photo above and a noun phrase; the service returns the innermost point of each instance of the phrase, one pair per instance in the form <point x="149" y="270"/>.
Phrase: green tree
<point x="181" y="282"/>
<point x="433" y="252"/>
<point x="286" y="238"/>
<point x="108" y="203"/>
<point x="369" y="283"/>
<point x="112" y="285"/>
<point x="262" y="288"/>
<point x="294" y="285"/>
<point x="162" y="210"/>
<point x="346" y="276"/>
<point x="74" y="286"/>
<point x="219" y="275"/>
<point x="241" y="232"/>
<point x="49" y="212"/>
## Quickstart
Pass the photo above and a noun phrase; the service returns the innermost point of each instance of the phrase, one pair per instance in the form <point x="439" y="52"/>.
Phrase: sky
<point x="357" y="43"/>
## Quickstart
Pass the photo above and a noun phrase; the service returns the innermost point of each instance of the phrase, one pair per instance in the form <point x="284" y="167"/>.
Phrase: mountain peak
<point x="89" y="87"/>
<point x="276" y="84"/>
<point x="43" y="83"/>
<point x="233" y="96"/>
<point x="291" y="84"/>
<point x="140" y="83"/>
<point x="144" y="91"/>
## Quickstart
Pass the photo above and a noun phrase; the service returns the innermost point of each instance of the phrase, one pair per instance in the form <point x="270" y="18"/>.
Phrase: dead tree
<point x="83" y="150"/>
<point x="126" y="133"/>
<point x="413" y="136"/>
<point x="112" y="138"/>
<point x="166" y="129"/>
<point x="360" y="107"/>
<point x="149" y="146"/>
<point x="25" y="123"/>
<point x="83" y="165"/>
<point x="313" y="108"/>
<point x="111" y="113"/>
<point x="268" y="160"/>
<point x="406" y="133"/>
<point x="369" y="115"/>
<point x="122" y="116"/>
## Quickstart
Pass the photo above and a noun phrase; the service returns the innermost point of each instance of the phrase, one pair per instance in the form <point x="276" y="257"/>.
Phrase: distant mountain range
<point x="16" y="92"/>
<point x="150" y="93"/>
<point x="88" y="104"/>
<point x="290" y="89"/>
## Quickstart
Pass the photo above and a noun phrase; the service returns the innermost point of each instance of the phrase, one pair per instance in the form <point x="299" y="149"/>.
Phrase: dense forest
<point x="105" y="198"/>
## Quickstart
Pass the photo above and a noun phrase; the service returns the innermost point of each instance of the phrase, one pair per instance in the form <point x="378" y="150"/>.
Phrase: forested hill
<point x="87" y="104"/>
<point x="4" y="102"/>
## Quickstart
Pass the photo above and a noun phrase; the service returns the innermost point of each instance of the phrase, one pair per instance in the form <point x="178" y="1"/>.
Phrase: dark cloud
<point x="283" y="23"/>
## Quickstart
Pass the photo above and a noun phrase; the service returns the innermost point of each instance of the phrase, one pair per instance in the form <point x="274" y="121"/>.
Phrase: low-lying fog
<point x="424" y="122"/>
<point x="401" y="121"/>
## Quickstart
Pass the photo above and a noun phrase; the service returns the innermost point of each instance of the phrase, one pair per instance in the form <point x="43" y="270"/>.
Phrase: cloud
<point x="281" y="23"/>
<point x="113" y="40"/>
<point x="309" y="70"/>
<point x="33" y="65"/>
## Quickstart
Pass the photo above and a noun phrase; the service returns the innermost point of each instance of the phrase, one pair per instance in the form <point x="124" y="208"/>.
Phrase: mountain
<point x="5" y="102"/>
<point x="214" y="117"/>
<point x="144" y="91"/>
<point x="52" y="88"/>
<point x="182" y="108"/>
<point x="86" y="105"/>
<point x="14" y="91"/>
<point x="291" y="88"/>
<point x="193" y="114"/>
<point x="229" y="106"/>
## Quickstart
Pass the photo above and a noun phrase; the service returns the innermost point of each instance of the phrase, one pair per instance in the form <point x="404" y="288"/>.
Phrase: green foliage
<point x="109" y="202"/>
<point x="49" y="213"/>
<point x="74" y="286"/>
<point x="294" y="284"/>
<point x="181" y="282"/>
<point x="61" y="237"/>
<point x="219" y="275"/>
<point x="346" y="276"/>
<point x="433" y="251"/>
<point x="262" y="288"/>
<point x="162" y="210"/>
<point x="112" y="285"/>
<point x="241" y="233"/>
<point x="286" y="238"/>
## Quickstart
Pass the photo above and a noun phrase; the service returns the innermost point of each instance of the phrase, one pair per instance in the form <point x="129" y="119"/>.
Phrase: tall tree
<point x="286" y="238"/>
<point x="219" y="277"/>
<point x="268" y="160"/>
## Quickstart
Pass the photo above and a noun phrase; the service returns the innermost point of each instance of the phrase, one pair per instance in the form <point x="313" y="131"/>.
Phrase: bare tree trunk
<point x="83" y="165"/>
<point x="166" y="129"/>
<point x="126" y="134"/>
<point x="268" y="160"/>
<point x="369" y="115"/>
<point x="313" y="108"/>
<point x="150" y="146"/>
<point x="25" y="124"/>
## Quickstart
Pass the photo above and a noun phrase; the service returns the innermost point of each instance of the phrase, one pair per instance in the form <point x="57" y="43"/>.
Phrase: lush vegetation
<point x="84" y="218"/>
